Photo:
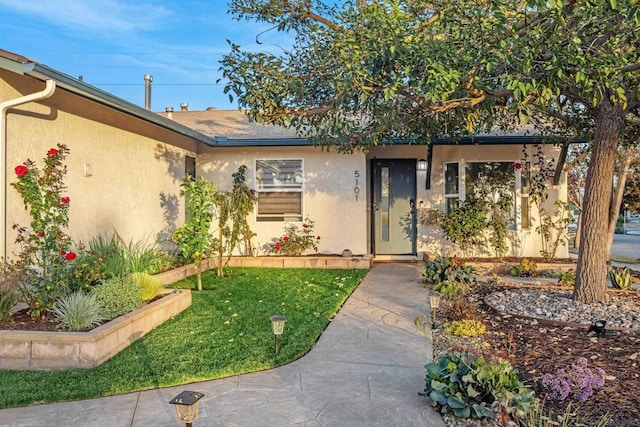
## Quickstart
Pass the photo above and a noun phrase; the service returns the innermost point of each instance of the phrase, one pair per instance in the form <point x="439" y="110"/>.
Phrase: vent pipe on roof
<point x="184" y="107"/>
<point x="148" y="78"/>
<point x="169" y="111"/>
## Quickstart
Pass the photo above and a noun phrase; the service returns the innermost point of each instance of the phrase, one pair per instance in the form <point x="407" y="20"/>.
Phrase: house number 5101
<point x="356" y="188"/>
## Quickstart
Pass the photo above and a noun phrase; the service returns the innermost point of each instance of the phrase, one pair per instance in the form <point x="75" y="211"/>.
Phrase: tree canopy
<point x="367" y="72"/>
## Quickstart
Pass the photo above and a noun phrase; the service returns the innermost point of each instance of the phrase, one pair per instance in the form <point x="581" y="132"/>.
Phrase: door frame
<point x="372" y="206"/>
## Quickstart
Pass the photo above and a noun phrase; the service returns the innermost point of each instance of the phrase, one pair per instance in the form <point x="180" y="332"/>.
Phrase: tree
<point x="367" y="72"/>
<point x="631" y="199"/>
<point x="194" y="237"/>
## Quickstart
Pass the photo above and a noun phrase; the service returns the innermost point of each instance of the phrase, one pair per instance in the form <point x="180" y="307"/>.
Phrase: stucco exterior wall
<point x="329" y="196"/>
<point x="430" y="237"/>
<point x="134" y="167"/>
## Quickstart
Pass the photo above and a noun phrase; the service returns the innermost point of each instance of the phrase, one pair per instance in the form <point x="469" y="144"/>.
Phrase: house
<point x="126" y="163"/>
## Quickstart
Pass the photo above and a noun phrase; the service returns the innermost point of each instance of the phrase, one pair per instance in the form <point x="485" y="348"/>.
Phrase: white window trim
<point x="284" y="190"/>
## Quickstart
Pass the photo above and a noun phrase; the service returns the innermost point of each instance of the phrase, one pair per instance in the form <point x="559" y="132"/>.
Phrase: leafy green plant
<point x="8" y="299"/>
<point x="552" y="274"/>
<point x="242" y="203"/>
<point x="296" y="239"/>
<point x="194" y="238"/>
<point x="78" y="311"/>
<point x="448" y="268"/>
<point x="451" y="289"/>
<point x="465" y="225"/>
<point x="567" y="278"/>
<point x="620" y="278"/>
<point x="45" y="256"/>
<point x="472" y="385"/>
<point x="148" y="286"/>
<point x="526" y="268"/>
<point x="465" y="328"/>
<point x="118" y="296"/>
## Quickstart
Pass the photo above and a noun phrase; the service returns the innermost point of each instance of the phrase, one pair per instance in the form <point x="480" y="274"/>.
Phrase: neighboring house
<point x="126" y="163"/>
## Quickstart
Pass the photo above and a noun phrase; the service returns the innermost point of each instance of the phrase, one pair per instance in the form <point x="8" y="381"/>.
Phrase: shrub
<point x="465" y="225"/>
<point x="118" y="296"/>
<point x="78" y="311"/>
<point x="448" y="268"/>
<point x="450" y="289"/>
<point x="620" y="278"/>
<point x="578" y="380"/>
<point x="148" y="286"/>
<point x="458" y="308"/>
<point x="526" y="268"/>
<point x="296" y="240"/>
<point x="471" y="385"/>
<point x="567" y="278"/>
<point x="465" y="328"/>
<point x="552" y="274"/>
<point x="8" y="299"/>
<point x="87" y="271"/>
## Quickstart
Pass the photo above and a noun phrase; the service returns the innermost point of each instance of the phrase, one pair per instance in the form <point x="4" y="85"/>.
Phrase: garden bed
<point x="311" y="261"/>
<point x="20" y="349"/>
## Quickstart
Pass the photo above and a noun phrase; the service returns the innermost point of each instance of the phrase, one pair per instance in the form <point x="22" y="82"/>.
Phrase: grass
<point x="225" y="332"/>
<point x="615" y="258"/>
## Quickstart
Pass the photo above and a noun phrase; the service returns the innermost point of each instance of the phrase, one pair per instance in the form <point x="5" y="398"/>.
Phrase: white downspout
<point x="4" y="108"/>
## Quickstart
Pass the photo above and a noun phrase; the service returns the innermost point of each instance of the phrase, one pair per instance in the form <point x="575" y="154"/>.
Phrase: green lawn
<point x="225" y="332"/>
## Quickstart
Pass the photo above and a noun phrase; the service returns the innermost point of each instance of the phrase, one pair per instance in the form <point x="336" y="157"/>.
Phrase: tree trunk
<point x="591" y="271"/>
<point x="618" y="194"/>
<point x="576" y="241"/>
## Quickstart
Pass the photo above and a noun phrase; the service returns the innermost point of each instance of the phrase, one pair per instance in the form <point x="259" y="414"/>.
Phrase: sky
<point x="112" y="44"/>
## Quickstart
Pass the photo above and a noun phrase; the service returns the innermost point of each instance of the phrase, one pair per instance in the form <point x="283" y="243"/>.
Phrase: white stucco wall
<point x="133" y="165"/>
<point x="328" y="192"/>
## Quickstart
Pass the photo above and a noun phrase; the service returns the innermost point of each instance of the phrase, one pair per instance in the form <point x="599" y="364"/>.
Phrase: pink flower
<point x="286" y="238"/>
<point x="517" y="165"/>
<point x="277" y="246"/>
<point x="70" y="256"/>
<point x="21" y="170"/>
<point x="52" y="152"/>
<point x="64" y="200"/>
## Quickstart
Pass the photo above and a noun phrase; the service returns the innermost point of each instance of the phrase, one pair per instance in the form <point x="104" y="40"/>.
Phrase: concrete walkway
<point x="366" y="370"/>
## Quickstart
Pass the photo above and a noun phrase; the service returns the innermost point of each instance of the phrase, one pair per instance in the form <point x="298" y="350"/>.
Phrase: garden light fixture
<point x="277" y="324"/>
<point x="434" y="301"/>
<point x="187" y="404"/>
<point x="599" y="328"/>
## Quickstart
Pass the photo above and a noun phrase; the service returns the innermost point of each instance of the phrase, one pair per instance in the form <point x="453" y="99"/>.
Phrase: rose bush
<point x="296" y="240"/>
<point x="46" y="258"/>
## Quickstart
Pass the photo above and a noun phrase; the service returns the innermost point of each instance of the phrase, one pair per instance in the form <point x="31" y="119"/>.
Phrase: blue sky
<point x="114" y="43"/>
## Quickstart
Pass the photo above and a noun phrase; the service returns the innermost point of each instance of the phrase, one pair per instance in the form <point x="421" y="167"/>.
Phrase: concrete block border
<point x="43" y="350"/>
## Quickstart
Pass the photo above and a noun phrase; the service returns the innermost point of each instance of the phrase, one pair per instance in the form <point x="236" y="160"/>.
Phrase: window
<point x="451" y="186"/>
<point x="279" y="185"/>
<point x="190" y="166"/>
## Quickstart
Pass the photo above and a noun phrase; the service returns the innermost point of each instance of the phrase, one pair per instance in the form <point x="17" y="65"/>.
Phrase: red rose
<point x="305" y="226"/>
<point x="62" y="253"/>
<point x="40" y="233"/>
<point x="52" y="152"/>
<point x="517" y="165"/>
<point x="277" y="246"/>
<point x="64" y="200"/>
<point x="21" y="170"/>
<point x="286" y="238"/>
<point x="18" y="262"/>
<point x="318" y="238"/>
<point x="70" y="256"/>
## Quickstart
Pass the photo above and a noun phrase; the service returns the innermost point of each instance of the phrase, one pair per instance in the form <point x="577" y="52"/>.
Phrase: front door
<point x="394" y="195"/>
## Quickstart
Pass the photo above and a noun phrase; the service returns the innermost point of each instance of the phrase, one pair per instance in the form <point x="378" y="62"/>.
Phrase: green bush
<point x="450" y="289"/>
<point x="471" y="385"/>
<point x="567" y="278"/>
<point x="148" y="286"/>
<point x="448" y="268"/>
<point x="458" y="308"/>
<point x="78" y="311"/>
<point x="118" y="296"/>
<point x="526" y="268"/>
<point x="465" y="328"/>
<point x="8" y="299"/>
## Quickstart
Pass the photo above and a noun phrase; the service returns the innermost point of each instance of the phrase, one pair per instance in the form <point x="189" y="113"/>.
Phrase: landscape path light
<point x="277" y="324"/>
<point x="434" y="301"/>
<point x="187" y="405"/>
